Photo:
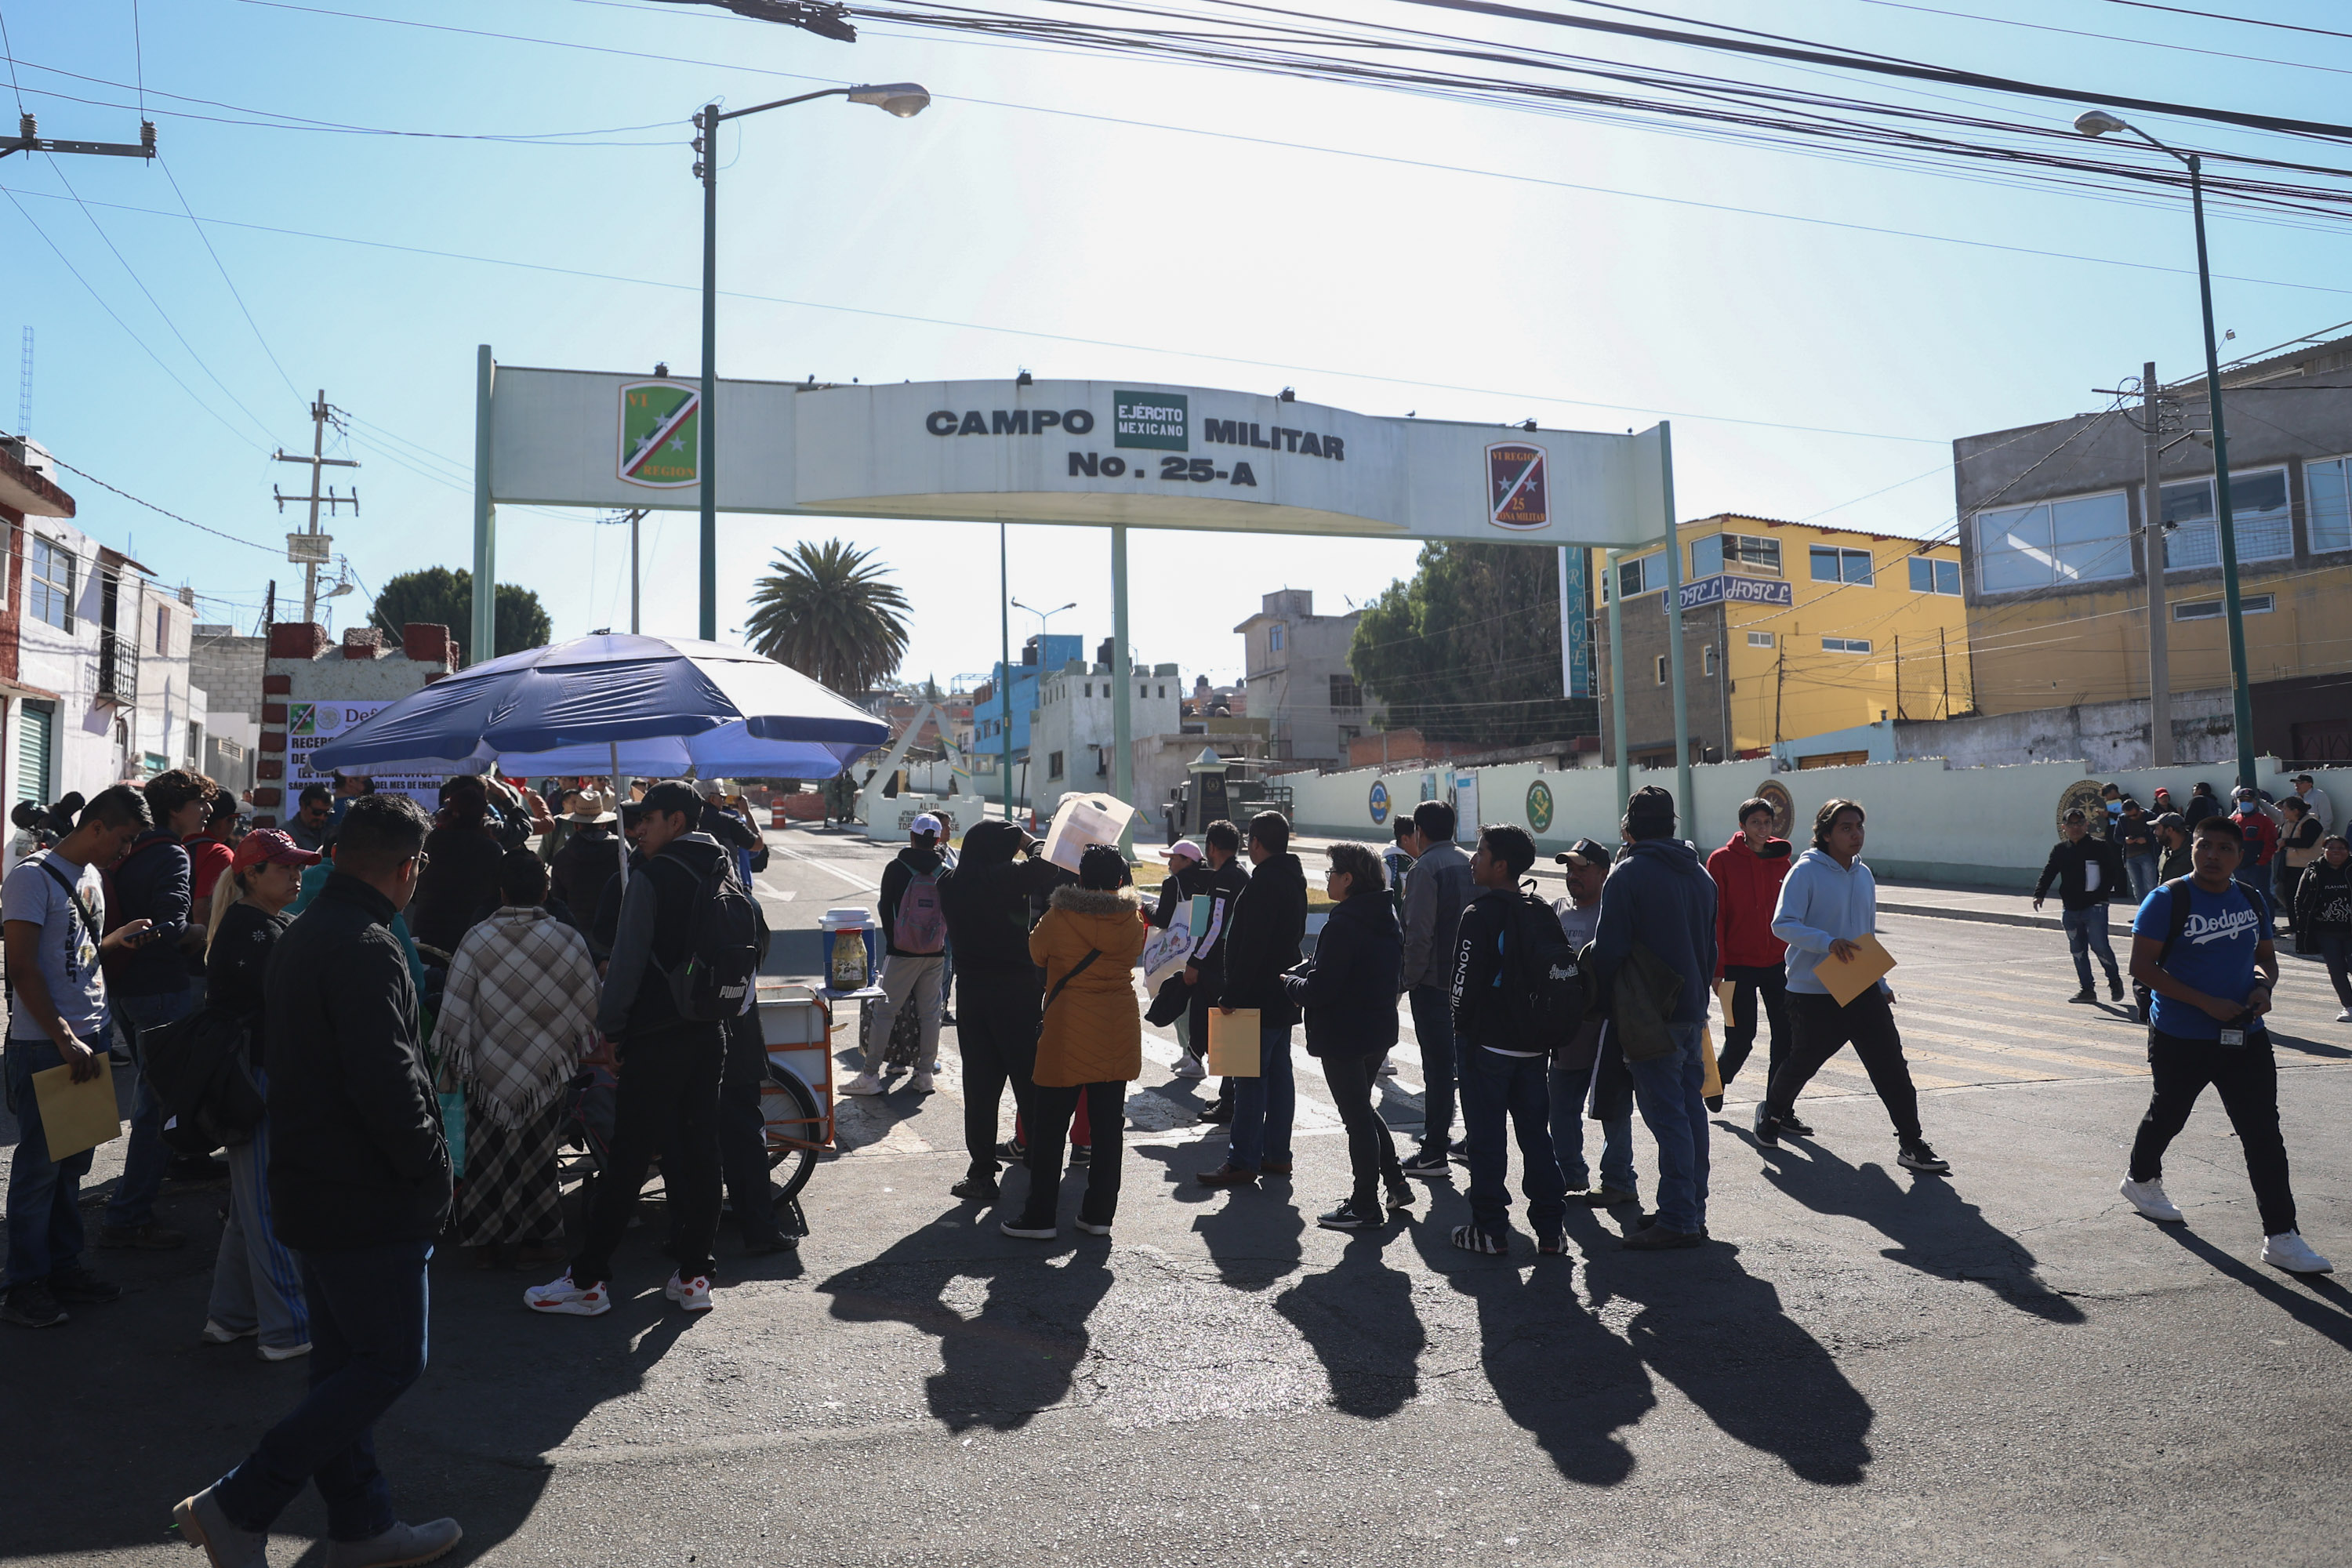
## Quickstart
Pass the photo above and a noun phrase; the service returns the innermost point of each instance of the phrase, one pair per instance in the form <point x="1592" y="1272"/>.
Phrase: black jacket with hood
<point x="2323" y="900"/>
<point x="1266" y="928"/>
<point x="2068" y="866"/>
<point x="150" y="883"/>
<point x="1349" y="989"/>
<point x="987" y="900"/>
<point x="655" y="936"/>
<point x="356" y="1155"/>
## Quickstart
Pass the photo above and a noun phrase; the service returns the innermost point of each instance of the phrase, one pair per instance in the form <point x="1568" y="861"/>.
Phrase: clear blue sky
<point x="1062" y="215"/>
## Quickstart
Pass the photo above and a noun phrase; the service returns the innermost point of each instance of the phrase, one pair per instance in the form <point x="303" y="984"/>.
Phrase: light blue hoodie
<point x="1821" y="902"/>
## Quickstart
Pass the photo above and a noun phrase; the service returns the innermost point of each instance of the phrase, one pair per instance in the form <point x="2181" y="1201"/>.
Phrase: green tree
<point x="1469" y="650"/>
<point x="826" y="611"/>
<point x="438" y="597"/>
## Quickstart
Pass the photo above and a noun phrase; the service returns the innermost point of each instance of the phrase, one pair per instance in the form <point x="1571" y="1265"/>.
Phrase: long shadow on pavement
<point x="2330" y="1314"/>
<point x="1360" y="1320"/>
<point x="1019" y="1352"/>
<point x="1933" y="1229"/>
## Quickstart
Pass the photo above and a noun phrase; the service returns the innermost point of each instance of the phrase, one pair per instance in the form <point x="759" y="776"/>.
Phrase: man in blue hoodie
<point x="1830" y="903"/>
<point x="1659" y="896"/>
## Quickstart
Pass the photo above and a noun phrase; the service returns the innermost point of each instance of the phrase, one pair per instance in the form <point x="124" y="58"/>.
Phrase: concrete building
<point x="992" y="702"/>
<point x="1295" y="673"/>
<point x="2105" y="737"/>
<point x="1788" y="628"/>
<point x="2056" y="570"/>
<point x="227" y="668"/>
<point x="313" y="690"/>
<point x="171" y="717"/>
<point x="1071" y="730"/>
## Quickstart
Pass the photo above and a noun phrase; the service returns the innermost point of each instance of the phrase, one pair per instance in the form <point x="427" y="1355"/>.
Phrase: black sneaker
<point x="78" y="1284"/>
<point x="976" y="1190"/>
<point x="1918" y="1156"/>
<point x="1427" y="1162"/>
<point x="1014" y="1150"/>
<point x="30" y="1306"/>
<point x="150" y="1236"/>
<point x="1400" y="1196"/>
<point x="1348" y="1216"/>
<point x="1768" y="1126"/>
<point x="1219" y="1114"/>
<point x="1789" y="1124"/>
<point x="2115" y="988"/>
<point x="1081" y="1154"/>
<point x="2085" y="995"/>
<point x="1656" y="1238"/>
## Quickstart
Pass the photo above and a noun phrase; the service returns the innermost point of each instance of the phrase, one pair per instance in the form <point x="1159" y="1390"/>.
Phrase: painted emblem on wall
<point x="1517" y="487"/>
<point x="1784" y="809"/>
<point x="1380" y="803"/>
<point x="2085" y="796"/>
<point x="661" y="434"/>
<point x="1540" y="806"/>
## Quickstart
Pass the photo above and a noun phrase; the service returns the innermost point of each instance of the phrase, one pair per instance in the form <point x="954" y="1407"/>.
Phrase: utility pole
<point x="29" y="140"/>
<point x="636" y="516"/>
<point x="308" y="549"/>
<point x="1898" y="677"/>
<point x="2151" y="538"/>
<point x="1944" y="653"/>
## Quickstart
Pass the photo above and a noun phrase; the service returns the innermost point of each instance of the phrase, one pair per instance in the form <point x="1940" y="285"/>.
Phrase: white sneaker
<point x="219" y="1333"/>
<point x="2149" y="1199"/>
<point x="1091" y="1228"/>
<point x="694" y="1294"/>
<point x="284" y="1352"/>
<point x="1189" y="1065"/>
<point x="2289" y="1251"/>
<point x="2345" y="1016"/>
<point x="562" y="1296"/>
<point x="864" y="1083"/>
<point x="922" y="1082"/>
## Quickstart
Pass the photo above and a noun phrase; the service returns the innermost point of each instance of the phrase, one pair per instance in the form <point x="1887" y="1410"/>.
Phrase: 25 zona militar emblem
<point x="1518" y="491"/>
<point x="661" y="434"/>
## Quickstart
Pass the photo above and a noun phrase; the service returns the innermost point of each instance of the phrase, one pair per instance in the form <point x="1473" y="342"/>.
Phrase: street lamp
<point x="2099" y="122"/>
<point x="1044" y="617"/>
<point x="904" y="100"/>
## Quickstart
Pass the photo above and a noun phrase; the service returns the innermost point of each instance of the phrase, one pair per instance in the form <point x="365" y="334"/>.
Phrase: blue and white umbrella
<point x="648" y="706"/>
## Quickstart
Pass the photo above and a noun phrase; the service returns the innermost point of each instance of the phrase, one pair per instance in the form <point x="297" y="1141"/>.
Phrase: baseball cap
<point x="271" y="845"/>
<point x="1182" y="852"/>
<point x="926" y="822"/>
<point x="673" y="795"/>
<point x="1584" y="852"/>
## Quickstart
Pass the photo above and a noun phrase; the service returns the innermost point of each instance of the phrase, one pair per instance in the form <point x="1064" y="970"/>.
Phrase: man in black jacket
<point x="359" y="1187"/>
<point x="987" y="901"/>
<point x="1263" y="941"/>
<point x="2088" y="872"/>
<point x="670" y="1066"/>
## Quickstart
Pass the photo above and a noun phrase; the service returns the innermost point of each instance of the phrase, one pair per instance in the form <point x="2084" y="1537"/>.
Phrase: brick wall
<point x="311" y="690"/>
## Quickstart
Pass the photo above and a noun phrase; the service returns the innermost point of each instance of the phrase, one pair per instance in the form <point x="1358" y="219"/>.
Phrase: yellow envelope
<point x="1233" y="1048"/>
<point x="1845" y="981"/>
<point x="1711" y="1086"/>
<point x="76" y="1116"/>
<point x="1723" y="992"/>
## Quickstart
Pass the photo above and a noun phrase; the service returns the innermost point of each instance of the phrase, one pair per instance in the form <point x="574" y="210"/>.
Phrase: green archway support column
<point x="482" y="636"/>
<point x="1122" y="670"/>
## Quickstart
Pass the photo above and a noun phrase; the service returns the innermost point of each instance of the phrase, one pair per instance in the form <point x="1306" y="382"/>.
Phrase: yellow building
<point x="1790" y="629"/>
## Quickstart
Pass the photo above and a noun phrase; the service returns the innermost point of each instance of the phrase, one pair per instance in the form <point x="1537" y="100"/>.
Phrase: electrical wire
<point x="2241" y="21"/>
<point x="222" y="269"/>
<point x="2110" y="37"/>
<point x="151" y="506"/>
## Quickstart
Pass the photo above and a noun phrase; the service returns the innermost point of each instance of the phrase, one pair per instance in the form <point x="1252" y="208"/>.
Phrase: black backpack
<point x="727" y="939"/>
<point x="1545" y="990"/>
<point x="200" y="1068"/>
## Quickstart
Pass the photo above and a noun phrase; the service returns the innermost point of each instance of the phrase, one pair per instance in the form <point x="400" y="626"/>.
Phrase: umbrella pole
<point x="620" y="795"/>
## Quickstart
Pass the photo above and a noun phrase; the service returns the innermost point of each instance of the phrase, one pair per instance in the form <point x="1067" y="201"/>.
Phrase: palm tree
<point x="829" y="615"/>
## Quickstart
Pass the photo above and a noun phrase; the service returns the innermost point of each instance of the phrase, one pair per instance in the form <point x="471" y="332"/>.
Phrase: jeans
<point x="2086" y="932"/>
<point x="1822" y="1029"/>
<point x="368" y="1311"/>
<point x="1750" y="983"/>
<point x="2336" y="947"/>
<point x="1264" y="1105"/>
<point x="1496" y="1089"/>
<point x="44" y="1229"/>
<point x="997" y="1035"/>
<point x="1432" y="1025"/>
<point x="2141" y="869"/>
<point x="1371" y="1153"/>
<point x="1053" y="1106"/>
<point x="257" y="1281"/>
<point x="667" y="1099"/>
<point x="919" y="979"/>
<point x="2247" y="1078"/>
<point x="2286" y="881"/>
<point x="1670" y="1089"/>
<point x="144" y="1157"/>
<point x="1568" y="1091"/>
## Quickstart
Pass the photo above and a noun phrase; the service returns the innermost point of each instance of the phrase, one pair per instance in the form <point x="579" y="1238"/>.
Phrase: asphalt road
<point x="2003" y="1365"/>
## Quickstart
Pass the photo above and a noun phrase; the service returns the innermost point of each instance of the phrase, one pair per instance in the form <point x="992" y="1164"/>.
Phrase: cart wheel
<point x="789" y="1111"/>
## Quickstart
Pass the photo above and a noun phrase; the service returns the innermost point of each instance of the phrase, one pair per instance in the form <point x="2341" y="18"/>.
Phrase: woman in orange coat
<point x="1092" y="1037"/>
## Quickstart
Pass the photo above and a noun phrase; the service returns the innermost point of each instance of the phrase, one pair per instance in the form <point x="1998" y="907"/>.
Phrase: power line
<point x="225" y="278"/>
<point x="2111" y="37"/>
<point x="151" y="506"/>
<point x="2241" y="21"/>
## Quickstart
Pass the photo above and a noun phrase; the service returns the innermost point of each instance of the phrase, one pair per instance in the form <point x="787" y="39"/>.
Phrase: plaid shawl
<point x="517" y="1012"/>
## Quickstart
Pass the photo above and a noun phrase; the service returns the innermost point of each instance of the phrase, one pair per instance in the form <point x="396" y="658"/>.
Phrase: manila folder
<point x="1848" y="980"/>
<point x="76" y="1116"/>
<point x="1233" y="1049"/>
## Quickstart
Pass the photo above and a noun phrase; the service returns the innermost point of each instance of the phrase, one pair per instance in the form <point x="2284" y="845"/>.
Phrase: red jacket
<point x="1747" y="888"/>
<point x="2261" y="836"/>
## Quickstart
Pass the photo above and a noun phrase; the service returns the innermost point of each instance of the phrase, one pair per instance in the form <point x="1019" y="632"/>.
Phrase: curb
<point x="1985" y="916"/>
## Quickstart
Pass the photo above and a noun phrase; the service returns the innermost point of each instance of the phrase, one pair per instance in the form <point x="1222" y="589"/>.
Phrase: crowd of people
<point x="411" y="1002"/>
